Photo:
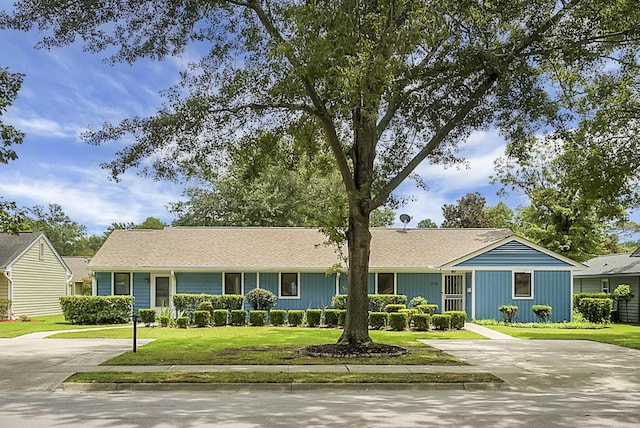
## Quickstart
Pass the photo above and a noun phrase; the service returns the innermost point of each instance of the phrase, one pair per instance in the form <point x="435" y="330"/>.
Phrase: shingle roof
<point x="11" y="246"/>
<point x="78" y="266"/>
<point x="612" y="264"/>
<point x="281" y="248"/>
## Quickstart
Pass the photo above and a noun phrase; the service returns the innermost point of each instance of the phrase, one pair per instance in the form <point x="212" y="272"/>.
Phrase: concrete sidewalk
<point x="487" y="332"/>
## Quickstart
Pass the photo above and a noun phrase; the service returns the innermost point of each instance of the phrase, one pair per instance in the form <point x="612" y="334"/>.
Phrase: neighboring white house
<point x="32" y="274"/>
<point x="79" y="272"/>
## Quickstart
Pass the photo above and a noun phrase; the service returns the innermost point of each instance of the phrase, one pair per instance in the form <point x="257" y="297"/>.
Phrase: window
<point x="41" y="253"/>
<point x="289" y="285"/>
<point x="522" y="285"/>
<point x="232" y="283"/>
<point x="162" y="291"/>
<point x="605" y="285"/>
<point x="121" y="284"/>
<point x="386" y="283"/>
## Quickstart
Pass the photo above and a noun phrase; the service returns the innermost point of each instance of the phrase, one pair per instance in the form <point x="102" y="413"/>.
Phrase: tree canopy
<point x="388" y="84"/>
<point x="468" y="211"/>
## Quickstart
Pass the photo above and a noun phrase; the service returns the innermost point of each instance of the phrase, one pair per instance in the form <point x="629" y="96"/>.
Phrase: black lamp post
<point x="134" y="317"/>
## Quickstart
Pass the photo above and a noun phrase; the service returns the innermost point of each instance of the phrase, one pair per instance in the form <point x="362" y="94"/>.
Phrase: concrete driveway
<point x="551" y="365"/>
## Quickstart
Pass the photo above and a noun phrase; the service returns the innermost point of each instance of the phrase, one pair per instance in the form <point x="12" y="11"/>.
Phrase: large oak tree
<point x="390" y="84"/>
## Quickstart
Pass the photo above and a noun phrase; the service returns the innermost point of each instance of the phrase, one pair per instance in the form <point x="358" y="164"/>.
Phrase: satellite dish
<point x="405" y="218"/>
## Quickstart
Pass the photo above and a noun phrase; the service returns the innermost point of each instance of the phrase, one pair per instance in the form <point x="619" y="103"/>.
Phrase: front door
<point x="162" y="291"/>
<point x="453" y="292"/>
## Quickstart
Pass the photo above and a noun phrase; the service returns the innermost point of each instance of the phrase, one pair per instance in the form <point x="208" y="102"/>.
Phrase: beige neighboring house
<point x="32" y="274"/>
<point x="79" y="272"/>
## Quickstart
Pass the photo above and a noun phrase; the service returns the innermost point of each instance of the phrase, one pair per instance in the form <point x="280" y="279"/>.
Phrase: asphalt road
<point x="322" y="409"/>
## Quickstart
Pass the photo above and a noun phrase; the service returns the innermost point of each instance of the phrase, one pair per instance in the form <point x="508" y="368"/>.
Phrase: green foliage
<point x="543" y="312"/>
<point x="202" y="318"/>
<point x="410" y="312"/>
<point x="596" y="310"/>
<point x="151" y="223"/>
<point x="295" y="317"/>
<point x="261" y="299"/>
<point x="339" y="301"/>
<point x="458" y="318"/>
<point x="377" y="302"/>
<point x="147" y="316"/>
<point x="441" y="321"/>
<point x="182" y="322"/>
<point x="10" y="84"/>
<point x="509" y="312"/>
<point x="623" y="293"/>
<point x="378" y="320"/>
<point x="397" y="321"/>
<point x="417" y="301"/>
<point x="427" y="223"/>
<point x="422" y="321"/>
<point x="394" y="308"/>
<point x="277" y="316"/>
<point x="231" y="301"/>
<point x="428" y="309"/>
<point x="342" y="317"/>
<point x="238" y="317"/>
<point x="5" y="304"/>
<point x="63" y="233"/>
<point x="97" y="309"/>
<point x="189" y="303"/>
<point x="164" y="320"/>
<point x="577" y="298"/>
<point x="220" y="317"/>
<point x="258" y="317"/>
<point x="314" y="317"/>
<point x="206" y="306"/>
<point x="331" y="317"/>
<point x="468" y="212"/>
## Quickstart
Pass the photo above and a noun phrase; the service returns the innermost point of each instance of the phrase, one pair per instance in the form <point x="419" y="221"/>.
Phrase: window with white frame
<point x="121" y="284"/>
<point x="289" y="286"/>
<point x="522" y="285"/>
<point x="605" y="285"/>
<point x="386" y="283"/>
<point x="232" y="283"/>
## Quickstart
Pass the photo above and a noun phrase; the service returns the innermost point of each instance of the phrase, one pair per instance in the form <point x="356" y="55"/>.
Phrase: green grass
<point x="264" y="345"/>
<point x="280" y="377"/>
<point x="615" y="334"/>
<point x="39" y="323"/>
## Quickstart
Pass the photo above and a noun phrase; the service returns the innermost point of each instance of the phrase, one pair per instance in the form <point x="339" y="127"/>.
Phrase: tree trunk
<point x="356" y="329"/>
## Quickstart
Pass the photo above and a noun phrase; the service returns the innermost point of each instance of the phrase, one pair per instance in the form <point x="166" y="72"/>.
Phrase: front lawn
<point x="39" y="323"/>
<point x="264" y="345"/>
<point x="615" y="334"/>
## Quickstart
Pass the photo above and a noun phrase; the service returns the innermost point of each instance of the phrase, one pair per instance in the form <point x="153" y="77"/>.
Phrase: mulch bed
<point x="353" y="351"/>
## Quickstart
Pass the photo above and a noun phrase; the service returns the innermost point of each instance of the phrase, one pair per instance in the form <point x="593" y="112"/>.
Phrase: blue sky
<point x="66" y="90"/>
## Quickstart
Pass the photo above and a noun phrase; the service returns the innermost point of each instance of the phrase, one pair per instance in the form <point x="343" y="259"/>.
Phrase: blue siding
<point x="250" y="282"/>
<point x="141" y="291"/>
<point x="104" y="283"/>
<point x="344" y="283"/>
<point x="494" y="288"/>
<point x="316" y="291"/>
<point x="468" y="301"/>
<point x="372" y="283"/>
<point x="269" y="281"/>
<point x="514" y="254"/>
<point x="427" y="285"/>
<point x="198" y="282"/>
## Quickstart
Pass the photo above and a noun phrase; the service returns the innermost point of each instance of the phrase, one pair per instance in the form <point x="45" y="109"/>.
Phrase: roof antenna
<point x="405" y="218"/>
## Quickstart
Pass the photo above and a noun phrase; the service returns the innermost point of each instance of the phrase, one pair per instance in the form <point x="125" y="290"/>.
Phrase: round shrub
<point x="393" y="307"/>
<point x="231" y="302"/>
<point x="258" y="318"/>
<point x="164" y="320"/>
<point x="508" y="312"/>
<point x="202" y="318"/>
<point x="220" y="317"/>
<point x="378" y="320"/>
<point x="441" y="321"/>
<point x="277" y="316"/>
<point x="543" y="312"/>
<point x="428" y="309"/>
<point x="238" y="317"/>
<point x="314" y="316"/>
<point x="458" y="318"/>
<point x="147" y="316"/>
<point x="182" y="322"/>
<point x="331" y="317"/>
<point x="339" y="301"/>
<point x="206" y="306"/>
<point x="296" y="317"/>
<point x="417" y="301"/>
<point x="421" y="322"/>
<point x="261" y="299"/>
<point x="398" y="321"/>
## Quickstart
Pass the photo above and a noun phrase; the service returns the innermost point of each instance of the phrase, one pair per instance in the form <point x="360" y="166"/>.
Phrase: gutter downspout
<point x="7" y="274"/>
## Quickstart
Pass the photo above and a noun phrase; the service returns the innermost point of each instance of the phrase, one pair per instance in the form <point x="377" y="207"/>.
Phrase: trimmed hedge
<point x="277" y="316"/>
<point x="377" y="302"/>
<point x="202" y="318"/>
<point x="441" y="321"/>
<point x="97" y="309"/>
<point x="339" y="301"/>
<point x="596" y="310"/>
<point x="295" y="317"/>
<point x="147" y="316"/>
<point x="261" y="299"/>
<point x="577" y="298"/>
<point x="422" y="322"/>
<point x="220" y="317"/>
<point x="342" y="317"/>
<point x="428" y="309"/>
<point x="182" y="322"/>
<point x="189" y="303"/>
<point x="394" y="307"/>
<point x="314" y="317"/>
<point x="509" y="312"/>
<point x="398" y="321"/>
<point x="410" y="313"/>
<point x="238" y="317"/>
<point x="378" y="320"/>
<point x="417" y="301"/>
<point x="458" y="318"/>
<point x="331" y="317"/>
<point x="258" y="317"/>
<point x="206" y="306"/>
<point x="164" y="320"/>
<point x="543" y="312"/>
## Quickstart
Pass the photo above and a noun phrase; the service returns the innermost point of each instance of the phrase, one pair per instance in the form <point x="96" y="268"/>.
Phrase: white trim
<point x="7" y="274"/>
<point x="602" y="282"/>
<point x="473" y="294"/>
<point x="337" y="283"/>
<point x="464" y="289"/>
<point x="395" y="282"/>
<point x="152" y="290"/>
<point x="513" y="284"/>
<point x="297" y="296"/>
<point x="224" y="281"/>
<point x="113" y="283"/>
